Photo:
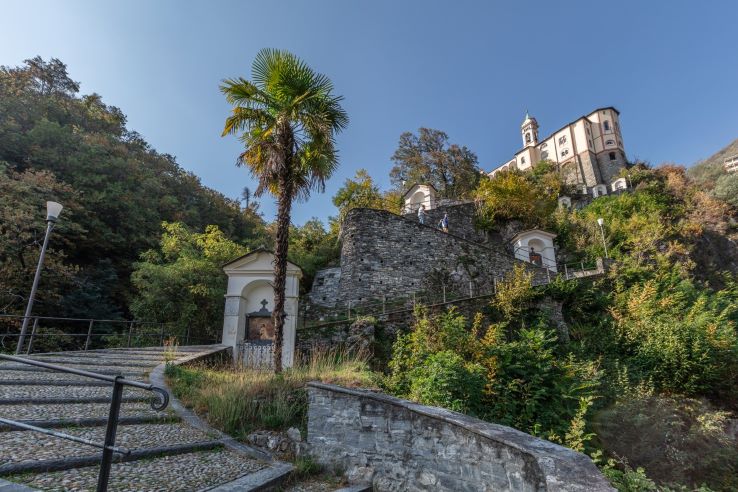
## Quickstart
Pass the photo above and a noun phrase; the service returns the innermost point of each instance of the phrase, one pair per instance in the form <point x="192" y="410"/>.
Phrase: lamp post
<point x="601" y="221"/>
<point x="53" y="210"/>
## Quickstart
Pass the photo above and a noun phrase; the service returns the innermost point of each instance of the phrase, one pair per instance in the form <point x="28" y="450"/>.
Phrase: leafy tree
<point x="288" y="117"/>
<point x="359" y="192"/>
<point x="530" y="197"/>
<point x="726" y="188"/>
<point x="362" y="192"/>
<point x="312" y="247"/>
<point x="116" y="191"/>
<point x="22" y="229"/>
<point x="428" y="158"/>
<point x="183" y="281"/>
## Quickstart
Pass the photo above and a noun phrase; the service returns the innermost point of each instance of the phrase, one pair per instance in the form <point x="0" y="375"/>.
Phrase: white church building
<point x="589" y="150"/>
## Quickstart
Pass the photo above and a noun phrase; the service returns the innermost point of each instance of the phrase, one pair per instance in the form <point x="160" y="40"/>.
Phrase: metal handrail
<point x="89" y="333"/>
<point x="108" y="447"/>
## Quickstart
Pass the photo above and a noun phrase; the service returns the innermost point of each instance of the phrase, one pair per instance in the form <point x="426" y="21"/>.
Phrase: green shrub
<point x="446" y="380"/>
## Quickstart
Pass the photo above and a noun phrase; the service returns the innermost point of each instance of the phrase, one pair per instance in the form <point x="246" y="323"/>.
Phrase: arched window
<point x="544" y="155"/>
<point x="606" y="124"/>
<point x="613" y="157"/>
<point x="522" y="160"/>
<point x="527" y="138"/>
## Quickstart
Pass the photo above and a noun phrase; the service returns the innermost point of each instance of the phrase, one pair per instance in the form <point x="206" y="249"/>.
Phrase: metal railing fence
<point x="88" y="333"/>
<point x="352" y="309"/>
<point x="108" y="446"/>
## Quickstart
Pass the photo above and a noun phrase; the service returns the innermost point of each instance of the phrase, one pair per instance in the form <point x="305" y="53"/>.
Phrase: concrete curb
<point x="6" y="486"/>
<point x="266" y="479"/>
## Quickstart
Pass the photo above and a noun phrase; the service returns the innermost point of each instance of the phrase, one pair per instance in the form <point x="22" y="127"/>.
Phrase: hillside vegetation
<point x="56" y="144"/>
<point x="647" y="374"/>
<point x="138" y="237"/>
<point x="710" y="174"/>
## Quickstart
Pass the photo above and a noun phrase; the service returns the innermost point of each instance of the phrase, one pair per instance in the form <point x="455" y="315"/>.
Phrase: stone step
<point x="155" y="359"/>
<point x="92" y="422"/>
<point x="186" y="349"/>
<point x="71" y="399"/>
<point x="29" y="382"/>
<point x="96" y="361"/>
<point x="93" y="458"/>
<point x="73" y="411"/>
<point x="24" y="446"/>
<point x="26" y="391"/>
<point x="191" y="471"/>
<point x="99" y="368"/>
<point x="45" y="377"/>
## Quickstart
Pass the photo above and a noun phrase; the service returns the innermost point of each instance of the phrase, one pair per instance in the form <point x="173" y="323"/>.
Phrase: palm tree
<point x="287" y="117"/>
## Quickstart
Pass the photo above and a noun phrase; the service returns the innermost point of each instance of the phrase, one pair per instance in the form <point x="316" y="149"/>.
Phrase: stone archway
<point x="250" y="300"/>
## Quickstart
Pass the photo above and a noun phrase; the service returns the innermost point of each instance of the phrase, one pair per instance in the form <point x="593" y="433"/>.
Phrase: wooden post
<point x="566" y="272"/>
<point x="384" y="304"/>
<point x="444" y="293"/>
<point x="471" y="289"/>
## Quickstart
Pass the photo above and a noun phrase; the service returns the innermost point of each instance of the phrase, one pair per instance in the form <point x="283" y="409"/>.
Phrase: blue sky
<point x="468" y="68"/>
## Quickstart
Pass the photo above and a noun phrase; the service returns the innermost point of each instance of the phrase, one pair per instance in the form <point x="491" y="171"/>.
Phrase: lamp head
<point x="53" y="209"/>
<point x="601" y="221"/>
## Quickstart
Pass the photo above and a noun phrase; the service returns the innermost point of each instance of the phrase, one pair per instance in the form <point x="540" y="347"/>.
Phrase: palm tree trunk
<point x="280" y="265"/>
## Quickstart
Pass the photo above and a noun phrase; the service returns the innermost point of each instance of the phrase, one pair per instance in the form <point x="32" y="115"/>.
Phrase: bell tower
<point x="529" y="131"/>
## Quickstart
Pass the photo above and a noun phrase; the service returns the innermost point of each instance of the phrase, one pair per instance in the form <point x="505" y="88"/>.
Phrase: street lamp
<point x="53" y="210"/>
<point x="601" y="221"/>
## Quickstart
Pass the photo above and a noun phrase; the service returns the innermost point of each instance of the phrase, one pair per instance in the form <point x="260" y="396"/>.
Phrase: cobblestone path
<point x="168" y="454"/>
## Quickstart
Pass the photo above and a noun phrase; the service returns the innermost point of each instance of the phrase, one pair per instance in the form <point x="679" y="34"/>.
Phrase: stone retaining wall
<point x="383" y="254"/>
<point x="461" y="220"/>
<point x="401" y="446"/>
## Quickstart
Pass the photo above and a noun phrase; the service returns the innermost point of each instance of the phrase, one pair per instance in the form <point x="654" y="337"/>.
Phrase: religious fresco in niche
<point x="259" y="324"/>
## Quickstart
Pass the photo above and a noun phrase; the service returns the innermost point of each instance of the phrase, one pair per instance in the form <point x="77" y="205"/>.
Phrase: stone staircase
<point x="170" y="450"/>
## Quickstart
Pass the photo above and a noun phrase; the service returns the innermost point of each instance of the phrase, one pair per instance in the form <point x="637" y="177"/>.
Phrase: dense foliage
<point x="183" y="282"/>
<point x="429" y="158"/>
<point x="517" y="195"/>
<point x="645" y="376"/>
<point x="56" y="144"/>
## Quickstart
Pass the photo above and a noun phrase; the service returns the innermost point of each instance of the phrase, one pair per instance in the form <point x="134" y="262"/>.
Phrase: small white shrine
<point x="249" y="302"/>
<point x="619" y="184"/>
<point x="417" y="195"/>
<point x="537" y="247"/>
<point x="564" y="201"/>
<point x="599" y="190"/>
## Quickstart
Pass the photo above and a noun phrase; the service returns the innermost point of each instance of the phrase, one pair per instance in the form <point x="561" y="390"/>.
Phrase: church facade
<point x="589" y="151"/>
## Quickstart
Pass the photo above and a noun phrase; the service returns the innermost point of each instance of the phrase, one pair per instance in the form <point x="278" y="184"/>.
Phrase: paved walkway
<point x="169" y="453"/>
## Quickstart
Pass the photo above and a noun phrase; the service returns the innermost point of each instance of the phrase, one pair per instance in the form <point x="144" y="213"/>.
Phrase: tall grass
<point x="240" y="400"/>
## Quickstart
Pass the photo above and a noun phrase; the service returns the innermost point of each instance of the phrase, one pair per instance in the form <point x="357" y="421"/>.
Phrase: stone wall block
<point x="399" y="445"/>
